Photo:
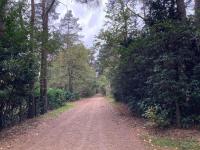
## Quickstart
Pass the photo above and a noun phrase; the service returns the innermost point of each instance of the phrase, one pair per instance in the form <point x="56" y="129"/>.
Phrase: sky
<point x="91" y="19"/>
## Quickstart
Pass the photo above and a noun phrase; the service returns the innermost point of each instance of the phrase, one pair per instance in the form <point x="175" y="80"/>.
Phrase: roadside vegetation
<point x="148" y="58"/>
<point x="169" y="143"/>
<point x="57" y="112"/>
<point x="42" y="65"/>
<point x="149" y="53"/>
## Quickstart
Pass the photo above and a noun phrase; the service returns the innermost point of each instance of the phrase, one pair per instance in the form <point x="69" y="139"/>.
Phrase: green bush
<point x="157" y="117"/>
<point x="56" y="98"/>
<point x="71" y="96"/>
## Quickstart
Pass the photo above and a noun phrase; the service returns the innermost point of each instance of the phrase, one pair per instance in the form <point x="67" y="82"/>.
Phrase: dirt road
<point x="93" y="124"/>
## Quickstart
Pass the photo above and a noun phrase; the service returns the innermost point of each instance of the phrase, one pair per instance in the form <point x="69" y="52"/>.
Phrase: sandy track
<point x="92" y="125"/>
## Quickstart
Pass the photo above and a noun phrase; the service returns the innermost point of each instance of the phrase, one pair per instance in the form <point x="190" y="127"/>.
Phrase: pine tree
<point x="70" y="30"/>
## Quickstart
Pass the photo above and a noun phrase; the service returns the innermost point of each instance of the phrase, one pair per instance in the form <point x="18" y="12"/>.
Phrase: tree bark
<point x="1" y="116"/>
<point x="43" y="71"/>
<point x="2" y="13"/>
<point x="31" y="103"/>
<point x="197" y="11"/>
<point x="70" y="80"/>
<point x="1" y="27"/>
<point x="181" y="9"/>
<point x="44" y="53"/>
<point x="178" y="115"/>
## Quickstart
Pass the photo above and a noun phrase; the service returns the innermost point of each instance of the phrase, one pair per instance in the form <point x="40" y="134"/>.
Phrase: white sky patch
<point x="91" y="19"/>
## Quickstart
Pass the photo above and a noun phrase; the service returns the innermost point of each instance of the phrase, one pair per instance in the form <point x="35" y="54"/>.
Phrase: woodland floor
<point x="92" y="124"/>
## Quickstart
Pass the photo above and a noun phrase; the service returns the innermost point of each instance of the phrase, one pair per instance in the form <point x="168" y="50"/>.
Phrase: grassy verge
<point x="168" y="143"/>
<point x="55" y="113"/>
<point x="111" y="100"/>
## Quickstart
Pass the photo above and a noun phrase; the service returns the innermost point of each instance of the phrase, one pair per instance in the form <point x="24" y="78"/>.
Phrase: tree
<point x="2" y="13"/>
<point x="69" y="30"/>
<point x="181" y="9"/>
<point x="44" y="53"/>
<point x="158" y="67"/>
<point x="32" y="102"/>
<point x="15" y="71"/>
<point x="197" y="11"/>
<point x="71" y="71"/>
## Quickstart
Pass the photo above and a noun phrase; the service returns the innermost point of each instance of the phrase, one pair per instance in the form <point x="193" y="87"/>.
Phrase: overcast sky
<point x="90" y="19"/>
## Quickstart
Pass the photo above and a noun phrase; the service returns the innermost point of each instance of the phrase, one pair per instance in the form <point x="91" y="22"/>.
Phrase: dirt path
<point x="94" y="124"/>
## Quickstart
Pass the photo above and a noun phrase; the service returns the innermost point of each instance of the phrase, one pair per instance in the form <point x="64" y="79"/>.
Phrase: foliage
<point x="180" y="144"/>
<point x="103" y="85"/>
<point x="22" y="40"/>
<point x="157" y="116"/>
<point x="56" y="98"/>
<point x="155" y="71"/>
<point x="71" y="71"/>
<point x="17" y="67"/>
<point x="71" y="96"/>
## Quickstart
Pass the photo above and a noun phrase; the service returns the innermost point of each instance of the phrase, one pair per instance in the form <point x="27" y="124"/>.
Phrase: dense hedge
<point x="158" y="76"/>
<point x="154" y="69"/>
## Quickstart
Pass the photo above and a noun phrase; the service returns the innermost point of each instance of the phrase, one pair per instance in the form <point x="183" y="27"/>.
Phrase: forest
<point x="149" y="51"/>
<point x="147" y="55"/>
<point x="99" y="74"/>
<point x="42" y="65"/>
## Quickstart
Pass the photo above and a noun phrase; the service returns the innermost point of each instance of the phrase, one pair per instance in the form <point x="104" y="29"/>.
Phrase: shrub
<point x="71" y="96"/>
<point x="157" y="117"/>
<point x="56" y="98"/>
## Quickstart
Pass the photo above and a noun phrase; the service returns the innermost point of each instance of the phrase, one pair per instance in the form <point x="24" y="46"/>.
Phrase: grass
<point x="174" y="144"/>
<point x="55" y="113"/>
<point x="111" y="100"/>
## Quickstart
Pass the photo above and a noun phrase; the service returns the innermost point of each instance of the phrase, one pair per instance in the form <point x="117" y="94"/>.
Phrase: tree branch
<point x="136" y="14"/>
<point x="49" y="9"/>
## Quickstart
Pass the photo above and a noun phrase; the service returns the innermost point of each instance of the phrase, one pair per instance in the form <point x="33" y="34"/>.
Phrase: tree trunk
<point x="178" y="115"/>
<point x="43" y="72"/>
<point x="70" y="80"/>
<point x="31" y="103"/>
<point x="181" y="9"/>
<point x="1" y="116"/>
<point x="1" y="27"/>
<point x="2" y="12"/>
<point x="43" y="81"/>
<point x="44" y="53"/>
<point x="197" y="11"/>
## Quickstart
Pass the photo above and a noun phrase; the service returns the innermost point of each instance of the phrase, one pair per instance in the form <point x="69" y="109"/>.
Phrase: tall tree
<point x="181" y="9"/>
<point x="69" y="29"/>
<point x="32" y="102"/>
<point x="2" y="13"/>
<point x="44" y="53"/>
<point x="71" y="70"/>
<point x="197" y="11"/>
